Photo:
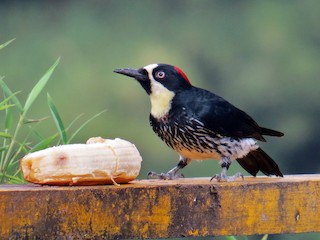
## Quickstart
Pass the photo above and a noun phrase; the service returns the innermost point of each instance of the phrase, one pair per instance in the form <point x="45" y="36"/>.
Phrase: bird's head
<point x="153" y="77"/>
<point x="162" y="82"/>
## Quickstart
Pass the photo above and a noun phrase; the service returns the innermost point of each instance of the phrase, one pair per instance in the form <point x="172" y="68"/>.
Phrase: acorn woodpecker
<point x="199" y="124"/>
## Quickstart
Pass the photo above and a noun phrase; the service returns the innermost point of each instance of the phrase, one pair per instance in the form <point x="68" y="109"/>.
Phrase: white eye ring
<point x="160" y="74"/>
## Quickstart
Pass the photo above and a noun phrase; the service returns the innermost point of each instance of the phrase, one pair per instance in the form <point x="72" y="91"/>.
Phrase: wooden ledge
<point x="162" y="209"/>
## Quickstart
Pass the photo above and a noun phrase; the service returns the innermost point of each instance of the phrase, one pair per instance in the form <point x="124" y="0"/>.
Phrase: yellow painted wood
<point x="162" y="209"/>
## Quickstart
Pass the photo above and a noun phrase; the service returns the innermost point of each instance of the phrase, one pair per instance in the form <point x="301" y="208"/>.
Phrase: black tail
<point x="270" y="132"/>
<point x="257" y="161"/>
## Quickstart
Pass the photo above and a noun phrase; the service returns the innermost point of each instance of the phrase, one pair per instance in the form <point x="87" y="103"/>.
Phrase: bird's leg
<point x="222" y="177"/>
<point x="173" y="173"/>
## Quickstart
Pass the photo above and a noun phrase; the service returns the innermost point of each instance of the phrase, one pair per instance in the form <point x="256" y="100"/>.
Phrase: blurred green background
<point x="262" y="56"/>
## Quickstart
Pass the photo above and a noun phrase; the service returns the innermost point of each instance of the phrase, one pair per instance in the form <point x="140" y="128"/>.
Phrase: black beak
<point x="138" y="74"/>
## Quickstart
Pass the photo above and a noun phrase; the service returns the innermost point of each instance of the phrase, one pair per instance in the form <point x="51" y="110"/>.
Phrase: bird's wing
<point x="220" y="116"/>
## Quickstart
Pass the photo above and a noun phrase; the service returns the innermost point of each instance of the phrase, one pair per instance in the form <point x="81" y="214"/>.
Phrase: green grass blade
<point x="6" y="43"/>
<point x="4" y="107"/>
<point x="74" y="121"/>
<point x="11" y="95"/>
<point x="265" y="237"/>
<point x="8" y="112"/>
<point x="5" y="101"/>
<point x="39" y="87"/>
<point x="84" y="124"/>
<point x="3" y="148"/>
<point x="45" y="143"/>
<point x="34" y="132"/>
<point x="5" y="135"/>
<point x="231" y="238"/>
<point x="8" y="119"/>
<point x="12" y="179"/>
<point x="29" y="120"/>
<point x="57" y="120"/>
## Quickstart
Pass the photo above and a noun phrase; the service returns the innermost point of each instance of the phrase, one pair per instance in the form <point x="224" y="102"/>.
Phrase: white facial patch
<point x="149" y="68"/>
<point x="160" y="96"/>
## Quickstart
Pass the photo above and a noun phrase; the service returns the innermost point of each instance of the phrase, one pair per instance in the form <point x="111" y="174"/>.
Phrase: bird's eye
<point x="160" y="74"/>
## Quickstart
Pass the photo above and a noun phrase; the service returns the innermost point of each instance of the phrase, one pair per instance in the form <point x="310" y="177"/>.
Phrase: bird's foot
<point x="165" y="176"/>
<point x="222" y="177"/>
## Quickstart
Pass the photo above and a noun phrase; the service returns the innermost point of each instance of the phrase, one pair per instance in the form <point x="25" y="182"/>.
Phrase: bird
<point x="199" y="124"/>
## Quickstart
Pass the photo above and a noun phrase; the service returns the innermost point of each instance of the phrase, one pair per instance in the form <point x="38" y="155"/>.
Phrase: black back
<point x="218" y="115"/>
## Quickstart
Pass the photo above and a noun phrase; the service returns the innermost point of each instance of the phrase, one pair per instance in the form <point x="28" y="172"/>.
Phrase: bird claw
<point x="164" y="176"/>
<point x="222" y="177"/>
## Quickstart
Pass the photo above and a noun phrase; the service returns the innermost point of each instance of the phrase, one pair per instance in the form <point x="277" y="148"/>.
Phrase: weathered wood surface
<point x="161" y="209"/>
